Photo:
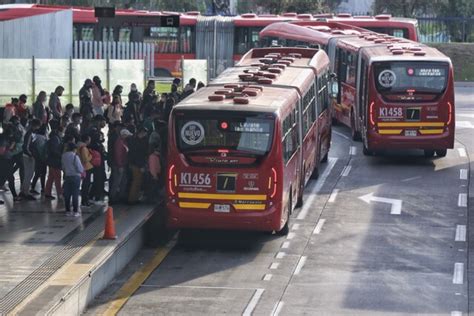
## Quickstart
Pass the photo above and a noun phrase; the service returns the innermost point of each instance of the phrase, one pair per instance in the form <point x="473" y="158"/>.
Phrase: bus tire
<point x="325" y="158"/>
<point x="286" y="228"/>
<point x="366" y="151"/>
<point x="315" y="173"/>
<point x="299" y="201"/>
<point x="441" y="152"/>
<point x="429" y="153"/>
<point x="355" y="134"/>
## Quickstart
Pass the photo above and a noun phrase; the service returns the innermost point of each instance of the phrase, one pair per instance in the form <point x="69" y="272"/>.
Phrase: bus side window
<point x="125" y="34"/>
<point x="87" y="33"/>
<point x="362" y="84"/>
<point x="165" y="39"/>
<point x="187" y="39"/>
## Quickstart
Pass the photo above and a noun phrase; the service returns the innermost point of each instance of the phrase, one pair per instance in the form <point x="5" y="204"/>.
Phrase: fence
<point x="446" y="29"/>
<point x="117" y="50"/>
<point x="30" y="76"/>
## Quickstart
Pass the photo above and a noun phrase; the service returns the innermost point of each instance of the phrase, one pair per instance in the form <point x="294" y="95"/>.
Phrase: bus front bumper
<point x="265" y="220"/>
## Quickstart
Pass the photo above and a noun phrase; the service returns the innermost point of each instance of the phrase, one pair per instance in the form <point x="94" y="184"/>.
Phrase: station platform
<point x="53" y="264"/>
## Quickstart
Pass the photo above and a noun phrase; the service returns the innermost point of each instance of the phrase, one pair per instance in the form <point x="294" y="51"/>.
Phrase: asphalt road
<point x="384" y="235"/>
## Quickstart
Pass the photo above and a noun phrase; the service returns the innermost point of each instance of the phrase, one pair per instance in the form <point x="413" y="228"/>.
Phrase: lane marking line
<point x="137" y="279"/>
<point x="319" y="184"/>
<point x="295" y="227"/>
<point x="300" y="265"/>
<point x="280" y="255"/>
<point x="267" y="277"/>
<point x="460" y="233"/>
<point x="456" y="313"/>
<point x="411" y="179"/>
<point x="462" y="200"/>
<point x="341" y="135"/>
<point x="353" y="151"/>
<point x="346" y="170"/>
<point x="290" y="236"/>
<point x="463" y="174"/>
<point x="277" y="309"/>
<point x="458" y="274"/>
<point x="319" y="226"/>
<point x="253" y="302"/>
<point x="332" y="197"/>
<point x="274" y="265"/>
<point x="462" y="152"/>
<point x="285" y="245"/>
<point x="197" y="287"/>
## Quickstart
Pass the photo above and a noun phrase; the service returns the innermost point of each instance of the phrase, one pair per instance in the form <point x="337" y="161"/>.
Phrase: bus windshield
<point x="247" y="134"/>
<point x="421" y="77"/>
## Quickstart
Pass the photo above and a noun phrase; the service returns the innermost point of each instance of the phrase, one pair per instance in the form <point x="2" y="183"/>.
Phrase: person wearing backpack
<point x="39" y="153"/>
<point x="86" y="160"/>
<point x="54" y="149"/>
<point x="29" y="160"/>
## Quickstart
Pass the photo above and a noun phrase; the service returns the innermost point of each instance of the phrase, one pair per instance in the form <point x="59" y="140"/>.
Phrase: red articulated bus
<point x="242" y="149"/>
<point x="382" y="23"/>
<point x="393" y="93"/>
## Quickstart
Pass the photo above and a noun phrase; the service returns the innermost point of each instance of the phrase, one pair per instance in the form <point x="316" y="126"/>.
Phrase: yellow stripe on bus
<point x="410" y="124"/>
<point x="431" y="131"/>
<point x="390" y="131"/>
<point x="210" y="196"/>
<point x="194" y="205"/>
<point x="249" y="207"/>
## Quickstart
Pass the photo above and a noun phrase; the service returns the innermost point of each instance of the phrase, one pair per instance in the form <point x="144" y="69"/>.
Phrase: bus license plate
<point x="410" y="133"/>
<point x="221" y="208"/>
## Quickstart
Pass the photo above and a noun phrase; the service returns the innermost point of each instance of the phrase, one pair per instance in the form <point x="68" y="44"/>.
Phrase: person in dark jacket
<point x="55" y="103"/>
<point x="54" y="149"/>
<point x="97" y="144"/>
<point x="137" y="159"/>
<point x="148" y="95"/>
<point x="85" y="102"/>
<point x="39" y="150"/>
<point x="7" y="144"/>
<point x="40" y="111"/>
<point x="29" y="160"/>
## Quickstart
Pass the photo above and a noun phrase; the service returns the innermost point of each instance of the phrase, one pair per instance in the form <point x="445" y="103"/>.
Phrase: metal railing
<point x="445" y="29"/>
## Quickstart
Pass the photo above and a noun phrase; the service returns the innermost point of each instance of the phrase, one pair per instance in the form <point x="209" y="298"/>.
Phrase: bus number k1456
<point x="188" y="178"/>
<point x="391" y="112"/>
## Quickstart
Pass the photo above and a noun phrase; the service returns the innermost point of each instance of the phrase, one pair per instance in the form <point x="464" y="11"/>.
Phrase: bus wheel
<point x="285" y="229"/>
<point x="441" y="152"/>
<point x="429" y="153"/>
<point x="366" y="151"/>
<point x="299" y="201"/>
<point x="355" y="134"/>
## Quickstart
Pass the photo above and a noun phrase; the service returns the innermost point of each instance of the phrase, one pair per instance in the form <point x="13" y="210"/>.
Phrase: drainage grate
<point x="51" y="265"/>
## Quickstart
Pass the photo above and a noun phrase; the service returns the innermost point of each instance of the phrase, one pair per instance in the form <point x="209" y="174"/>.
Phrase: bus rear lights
<point x="410" y="72"/>
<point x="224" y="125"/>
<point x="170" y="179"/>
<point x="223" y="151"/>
<point x="371" y="113"/>
<point x="275" y="182"/>
<point x="450" y="113"/>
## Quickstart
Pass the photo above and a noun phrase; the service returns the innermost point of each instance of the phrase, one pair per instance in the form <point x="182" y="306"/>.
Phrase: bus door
<point x="361" y="97"/>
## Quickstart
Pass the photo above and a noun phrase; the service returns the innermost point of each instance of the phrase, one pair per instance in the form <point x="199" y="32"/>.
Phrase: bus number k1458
<point x="188" y="178"/>
<point x="391" y="112"/>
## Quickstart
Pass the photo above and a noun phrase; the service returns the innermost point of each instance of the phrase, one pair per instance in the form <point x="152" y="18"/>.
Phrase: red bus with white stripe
<point x="393" y="93"/>
<point x="242" y="149"/>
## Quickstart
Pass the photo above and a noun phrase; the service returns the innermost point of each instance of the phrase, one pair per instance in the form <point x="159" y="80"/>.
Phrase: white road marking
<point x="267" y="277"/>
<point x="319" y="184"/>
<point x="463" y="174"/>
<point x="464" y="124"/>
<point x="295" y="227"/>
<point x="460" y="233"/>
<point x="340" y="134"/>
<point x="333" y="195"/>
<point x="290" y="235"/>
<point x="253" y="302"/>
<point x="346" y="170"/>
<point x="319" y="226"/>
<point x="277" y="309"/>
<point x="300" y="265"/>
<point x="280" y="255"/>
<point x="353" y="151"/>
<point x="274" y="265"/>
<point x="462" y="152"/>
<point x="458" y="274"/>
<point x="462" y="200"/>
<point x="465" y="115"/>
<point x="456" y="313"/>
<point x="285" y="245"/>
<point x="197" y="287"/>
<point x="396" y="204"/>
<point x="411" y="179"/>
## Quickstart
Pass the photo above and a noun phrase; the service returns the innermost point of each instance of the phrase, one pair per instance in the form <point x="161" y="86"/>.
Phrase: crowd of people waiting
<point x="66" y="146"/>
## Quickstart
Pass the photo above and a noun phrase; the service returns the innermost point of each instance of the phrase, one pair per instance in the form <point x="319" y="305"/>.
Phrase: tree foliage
<point x="412" y="8"/>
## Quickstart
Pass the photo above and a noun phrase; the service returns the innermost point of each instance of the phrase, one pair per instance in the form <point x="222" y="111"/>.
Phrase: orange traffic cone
<point x="109" y="230"/>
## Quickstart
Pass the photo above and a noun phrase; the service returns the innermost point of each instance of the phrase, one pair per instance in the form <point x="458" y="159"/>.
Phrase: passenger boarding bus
<point x="242" y="149"/>
<point x="393" y="93"/>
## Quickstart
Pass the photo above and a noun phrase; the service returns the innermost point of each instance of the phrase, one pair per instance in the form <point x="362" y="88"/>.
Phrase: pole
<point x="33" y="83"/>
